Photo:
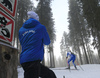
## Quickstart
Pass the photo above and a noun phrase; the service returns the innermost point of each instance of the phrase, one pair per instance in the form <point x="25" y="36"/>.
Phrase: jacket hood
<point x="30" y="23"/>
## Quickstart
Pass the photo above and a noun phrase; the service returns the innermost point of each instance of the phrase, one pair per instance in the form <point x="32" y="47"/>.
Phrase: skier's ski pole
<point x="79" y="65"/>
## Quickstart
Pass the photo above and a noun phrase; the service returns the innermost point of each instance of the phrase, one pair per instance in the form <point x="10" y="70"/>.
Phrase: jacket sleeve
<point x="46" y="39"/>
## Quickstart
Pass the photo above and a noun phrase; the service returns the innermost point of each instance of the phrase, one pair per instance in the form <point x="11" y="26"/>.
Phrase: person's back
<point x="31" y="36"/>
<point x="70" y="54"/>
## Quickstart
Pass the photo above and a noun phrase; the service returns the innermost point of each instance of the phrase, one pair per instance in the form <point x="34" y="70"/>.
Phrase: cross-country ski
<point x="64" y="69"/>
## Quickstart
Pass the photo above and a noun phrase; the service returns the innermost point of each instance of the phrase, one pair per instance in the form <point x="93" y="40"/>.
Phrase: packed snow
<point x="84" y="71"/>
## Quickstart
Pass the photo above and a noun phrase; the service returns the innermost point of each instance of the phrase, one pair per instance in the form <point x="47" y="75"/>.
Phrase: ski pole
<point x="79" y="65"/>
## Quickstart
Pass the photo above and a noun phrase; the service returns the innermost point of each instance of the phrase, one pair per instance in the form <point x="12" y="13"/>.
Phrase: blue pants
<point x="73" y="60"/>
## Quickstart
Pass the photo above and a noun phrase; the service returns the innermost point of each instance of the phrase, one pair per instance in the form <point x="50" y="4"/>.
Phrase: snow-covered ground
<point x="89" y="71"/>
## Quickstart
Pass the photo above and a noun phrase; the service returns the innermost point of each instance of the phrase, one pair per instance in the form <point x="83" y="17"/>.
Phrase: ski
<point x="72" y="69"/>
<point x="65" y="69"/>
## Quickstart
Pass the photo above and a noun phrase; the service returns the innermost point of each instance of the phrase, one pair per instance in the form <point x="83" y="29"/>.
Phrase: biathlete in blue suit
<point x="72" y="58"/>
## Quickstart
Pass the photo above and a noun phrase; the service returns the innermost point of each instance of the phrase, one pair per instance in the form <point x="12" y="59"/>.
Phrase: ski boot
<point x="75" y="67"/>
<point x="68" y="67"/>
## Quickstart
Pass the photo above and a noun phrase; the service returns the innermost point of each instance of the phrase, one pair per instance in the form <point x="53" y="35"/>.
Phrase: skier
<point x="33" y="36"/>
<point x="72" y="58"/>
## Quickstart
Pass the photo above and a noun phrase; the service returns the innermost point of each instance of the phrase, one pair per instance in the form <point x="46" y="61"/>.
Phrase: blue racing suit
<point x="72" y="58"/>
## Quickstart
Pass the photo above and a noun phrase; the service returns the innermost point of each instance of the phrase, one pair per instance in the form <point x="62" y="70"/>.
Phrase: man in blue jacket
<point x="72" y="58"/>
<point x="33" y="36"/>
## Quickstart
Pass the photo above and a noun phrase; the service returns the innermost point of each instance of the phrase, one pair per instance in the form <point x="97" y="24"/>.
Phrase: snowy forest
<point x="83" y="37"/>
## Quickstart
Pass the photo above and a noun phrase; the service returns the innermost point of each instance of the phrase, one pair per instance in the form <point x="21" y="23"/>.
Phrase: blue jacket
<point x="33" y="36"/>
